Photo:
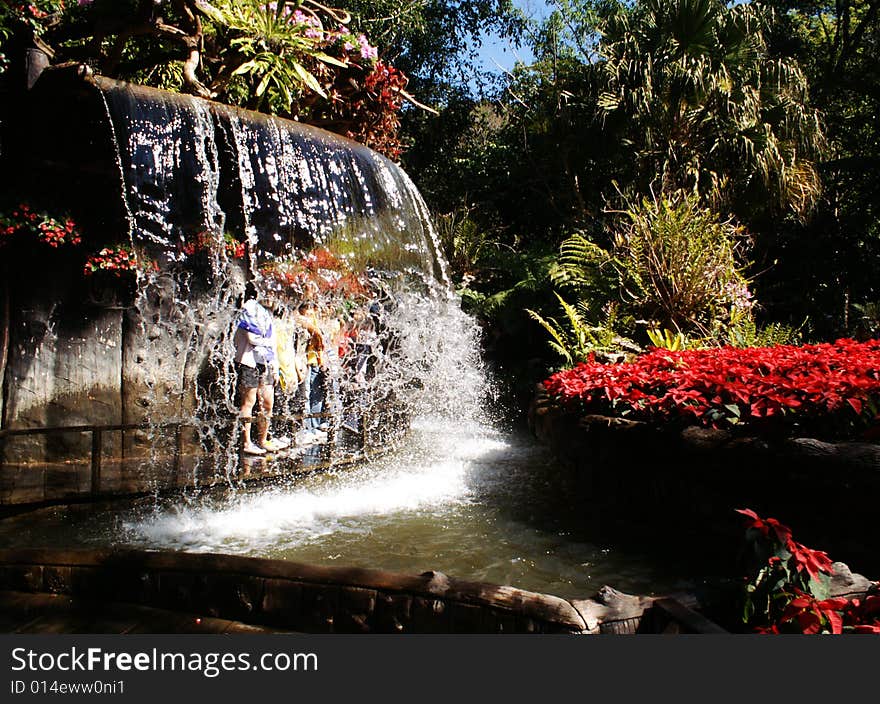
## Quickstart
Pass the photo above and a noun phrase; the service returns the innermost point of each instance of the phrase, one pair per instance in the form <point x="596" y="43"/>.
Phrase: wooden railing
<point x="98" y="432"/>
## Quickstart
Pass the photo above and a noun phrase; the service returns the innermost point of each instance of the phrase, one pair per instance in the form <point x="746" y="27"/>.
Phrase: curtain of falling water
<point x="301" y="187"/>
<point x="170" y="164"/>
<point x="192" y="168"/>
<point x="297" y="186"/>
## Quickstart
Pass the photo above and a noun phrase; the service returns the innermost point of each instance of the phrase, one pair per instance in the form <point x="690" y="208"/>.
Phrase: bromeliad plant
<point x="787" y="588"/>
<point x="833" y="386"/>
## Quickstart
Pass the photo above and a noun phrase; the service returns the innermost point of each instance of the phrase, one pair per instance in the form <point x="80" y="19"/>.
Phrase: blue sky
<point x="495" y="50"/>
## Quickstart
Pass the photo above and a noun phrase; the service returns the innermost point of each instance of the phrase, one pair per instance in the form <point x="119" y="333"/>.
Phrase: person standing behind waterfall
<point x="256" y="363"/>
<point x="315" y="377"/>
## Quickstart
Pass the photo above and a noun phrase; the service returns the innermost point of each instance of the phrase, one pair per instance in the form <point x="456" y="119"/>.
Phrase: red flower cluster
<point x="48" y="230"/>
<point x="322" y="269"/>
<point x="234" y="249"/>
<point x="118" y="260"/>
<point x="205" y="241"/>
<point x="31" y="9"/>
<point x="385" y="84"/>
<point x="729" y="384"/>
<point x="375" y="110"/>
<point x="837" y="615"/>
<point x="811" y="614"/>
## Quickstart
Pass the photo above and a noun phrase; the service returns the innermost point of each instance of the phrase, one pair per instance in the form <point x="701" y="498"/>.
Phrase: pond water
<point x="466" y="499"/>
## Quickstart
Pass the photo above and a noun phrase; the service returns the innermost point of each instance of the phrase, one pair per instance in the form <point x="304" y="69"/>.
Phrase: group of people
<point x="303" y="351"/>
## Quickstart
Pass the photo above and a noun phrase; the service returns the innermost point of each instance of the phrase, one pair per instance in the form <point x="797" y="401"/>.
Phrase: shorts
<point x="252" y="378"/>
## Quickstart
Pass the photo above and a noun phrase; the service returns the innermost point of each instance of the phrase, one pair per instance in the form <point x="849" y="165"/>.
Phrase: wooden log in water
<point x="346" y="595"/>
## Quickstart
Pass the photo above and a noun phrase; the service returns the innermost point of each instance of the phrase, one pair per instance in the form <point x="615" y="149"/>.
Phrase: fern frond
<point x="558" y="342"/>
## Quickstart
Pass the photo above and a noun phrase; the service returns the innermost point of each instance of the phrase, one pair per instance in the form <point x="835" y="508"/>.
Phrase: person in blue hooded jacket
<point x="256" y="358"/>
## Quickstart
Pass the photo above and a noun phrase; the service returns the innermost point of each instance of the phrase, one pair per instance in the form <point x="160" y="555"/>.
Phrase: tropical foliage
<point x="707" y="107"/>
<point x="297" y="59"/>
<point x="676" y="264"/>
<point x="672" y="266"/>
<point x="576" y="340"/>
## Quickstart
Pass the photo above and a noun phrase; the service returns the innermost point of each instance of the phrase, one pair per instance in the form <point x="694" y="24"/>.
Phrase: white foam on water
<point x="428" y="476"/>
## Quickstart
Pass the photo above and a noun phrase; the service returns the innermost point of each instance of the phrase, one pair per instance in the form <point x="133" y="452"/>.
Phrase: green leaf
<point x="821" y="587"/>
<point x="309" y="79"/>
<point x="330" y="60"/>
<point x="246" y="67"/>
<point x="264" y="84"/>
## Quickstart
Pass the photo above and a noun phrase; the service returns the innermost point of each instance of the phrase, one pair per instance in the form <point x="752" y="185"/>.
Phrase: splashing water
<point x="426" y="478"/>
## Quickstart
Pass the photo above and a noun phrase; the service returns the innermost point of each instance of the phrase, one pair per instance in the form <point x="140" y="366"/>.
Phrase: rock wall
<point x="693" y="477"/>
<point x="83" y="354"/>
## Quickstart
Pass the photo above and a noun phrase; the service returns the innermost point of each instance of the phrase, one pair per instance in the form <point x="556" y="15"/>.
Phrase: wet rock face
<point x="63" y="368"/>
<point x="152" y="358"/>
<point x="74" y="363"/>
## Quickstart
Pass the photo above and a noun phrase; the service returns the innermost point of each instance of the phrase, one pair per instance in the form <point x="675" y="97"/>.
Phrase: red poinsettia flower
<point x="729" y="385"/>
<point x="782" y="532"/>
<point x="813" y="561"/>
<point x="812" y="615"/>
<point x="768" y="630"/>
<point x="867" y="628"/>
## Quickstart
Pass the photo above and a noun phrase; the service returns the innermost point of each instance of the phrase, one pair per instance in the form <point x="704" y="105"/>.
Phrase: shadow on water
<point x="647" y="554"/>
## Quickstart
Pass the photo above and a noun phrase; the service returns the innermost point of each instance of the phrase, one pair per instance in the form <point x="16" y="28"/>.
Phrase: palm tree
<point x="704" y="106"/>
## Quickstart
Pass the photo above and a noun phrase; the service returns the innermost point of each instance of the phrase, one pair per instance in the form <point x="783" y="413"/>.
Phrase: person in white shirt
<point x="256" y="357"/>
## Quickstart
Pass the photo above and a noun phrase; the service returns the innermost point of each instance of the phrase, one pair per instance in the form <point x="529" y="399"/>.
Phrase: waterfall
<point x="190" y="165"/>
<point x="196" y="172"/>
<point x="170" y="164"/>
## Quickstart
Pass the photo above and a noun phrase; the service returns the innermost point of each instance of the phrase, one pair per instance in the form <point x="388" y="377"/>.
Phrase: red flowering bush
<point x="787" y="588"/>
<point x="118" y="261"/>
<point x="364" y="103"/>
<point x="24" y="220"/>
<point x="785" y="384"/>
<point x="376" y="113"/>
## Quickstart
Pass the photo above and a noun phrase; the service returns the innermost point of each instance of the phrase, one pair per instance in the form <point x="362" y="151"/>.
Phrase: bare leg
<point x="267" y="400"/>
<point x="248" y="399"/>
